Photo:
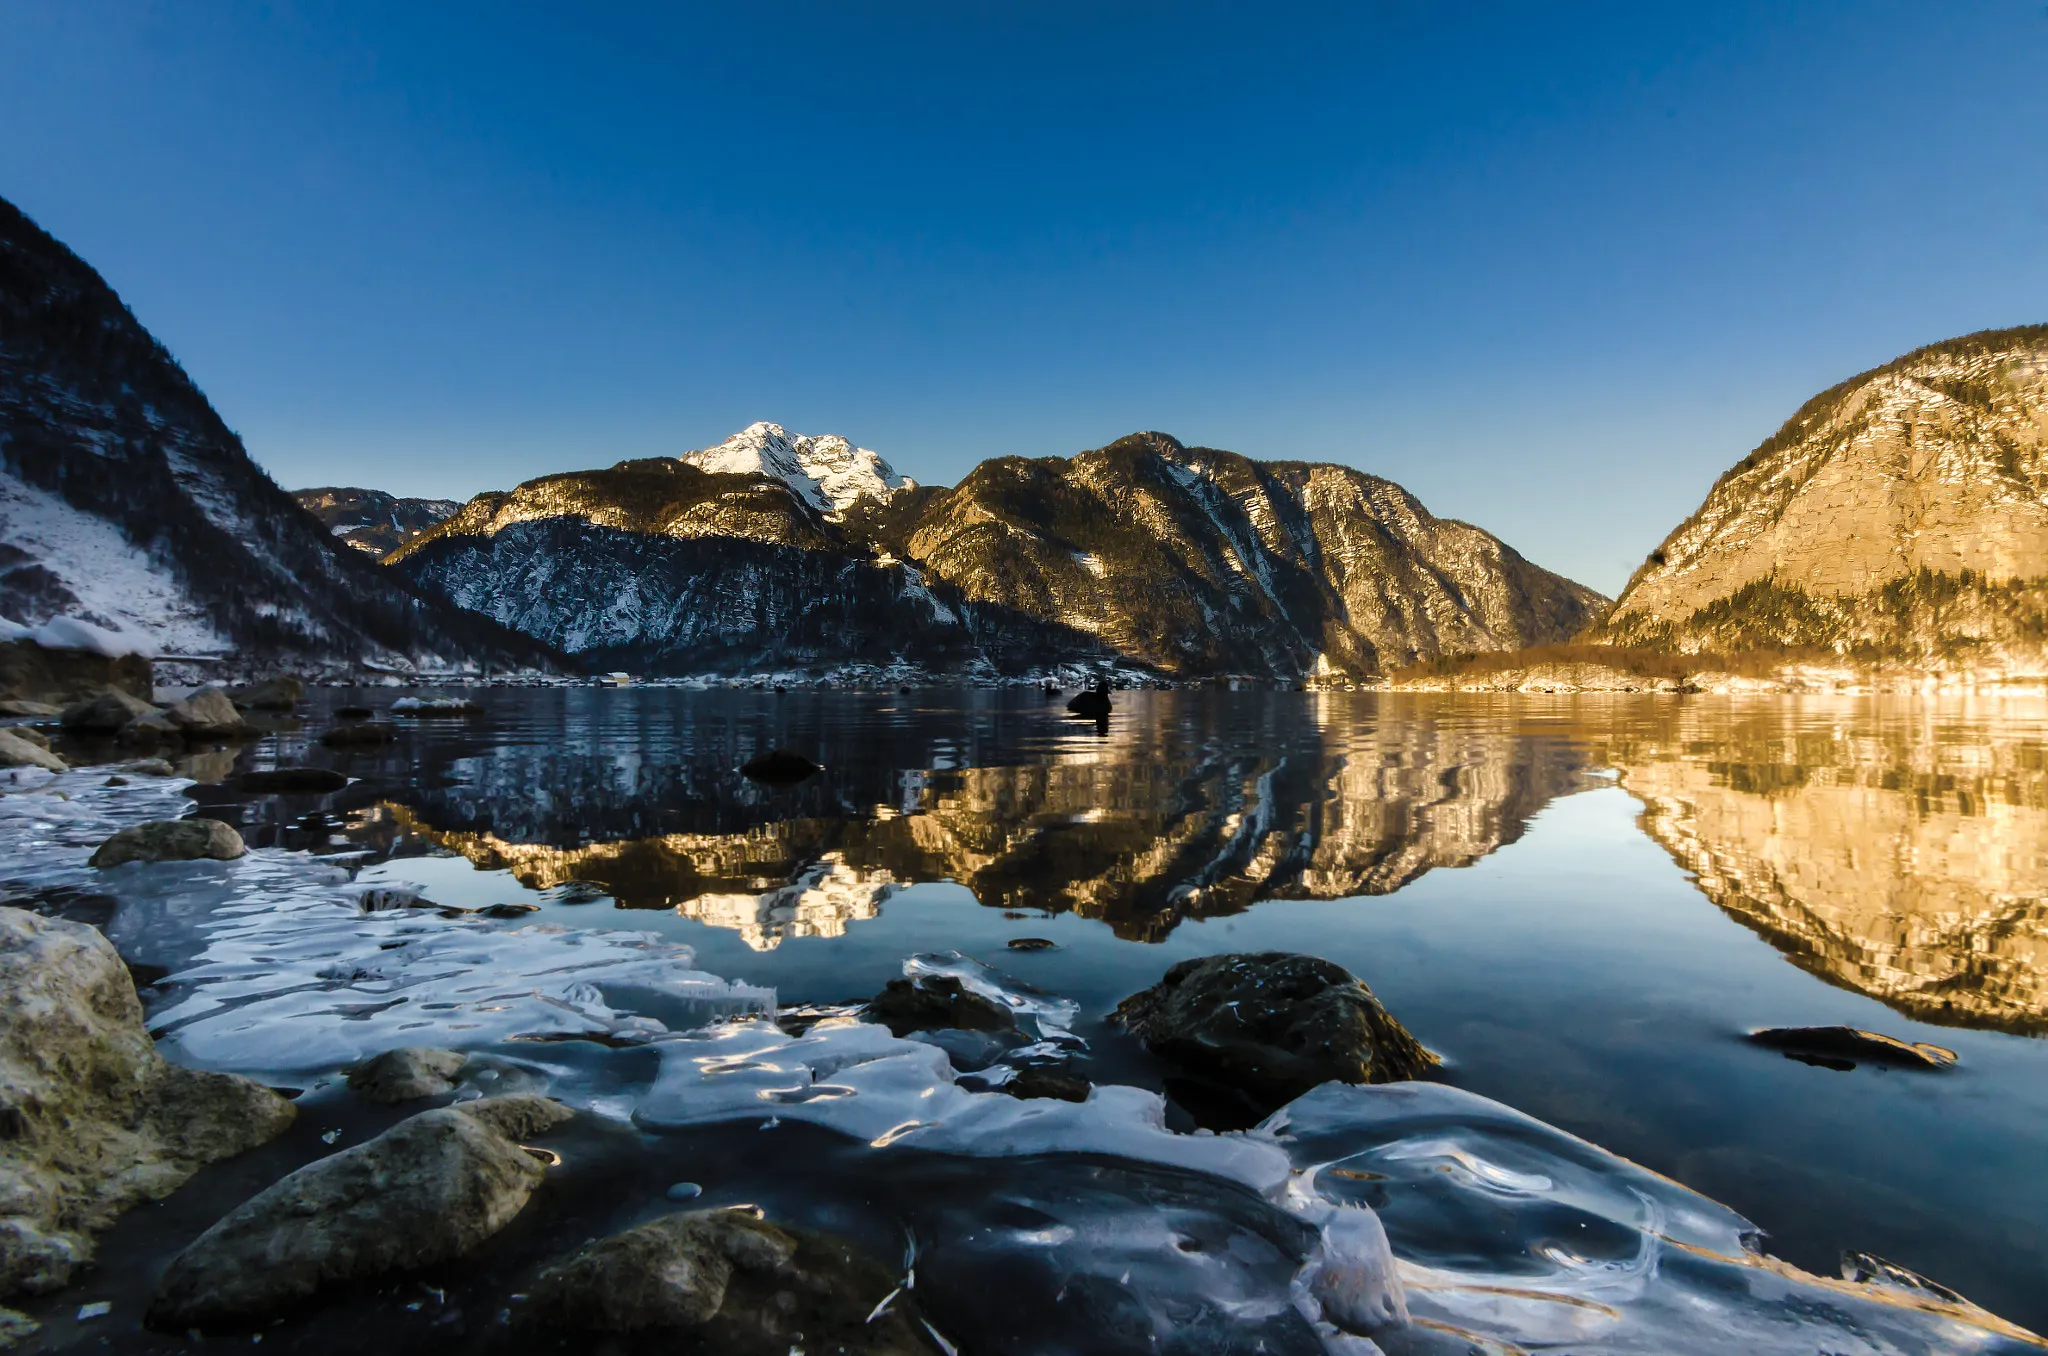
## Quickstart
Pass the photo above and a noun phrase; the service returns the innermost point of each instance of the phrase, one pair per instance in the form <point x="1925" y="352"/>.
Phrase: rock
<point x="153" y="731"/>
<point x="15" y="1326"/>
<point x="936" y="1002"/>
<point x="207" y="714"/>
<point x="149" y="767"/>
<point x="362" y="732"/>
<point x="31" y="734"/>
<point x="429" y="1189"/>
<point x="508" y="910"/>
<point x="170" y="840"/>
<point x="780" y="767"/>
<point x="107" y="713"/>
<point x="26" y="709"/>
<point x="406" y="1074"/>
<point x="36" y="676"/>
<point x="116" y="780"/>
<point x="1033" y="1081"/>
<point x="1844" y="1047"/>
<point x="737" y="1285"/>
<point x="286" y="780"/>
<point x="281" y="693"/>
<point x="1032" y="944"/>
<point x="1269" y="1026"/>
<point x="92" y="1119"/>
<point x="16" y="751"/>
<point x="353" y="713"/>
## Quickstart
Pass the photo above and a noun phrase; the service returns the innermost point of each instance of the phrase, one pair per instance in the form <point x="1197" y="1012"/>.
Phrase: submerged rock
<point x="92" y="1119"/>
<point x="16" y="750"/>
<point x="406" y="1074"/>
<point x="107" y="713"/>
<point x="353" y="713"/>
<point x="152" y="731"/>
<point x="286" y="780"/>
<point x="735" y="1283"/>
<point x="170" y="840"/>
<point x="1272" y="1025"/>
<point x="362" y="732"/>
<point x="780" y="767"/>
<point x="281" y="693"/>
<point x="1032" y="944"/>
<point x="1843" y="1047"/>
<point x="936" y="1002"/>
<point x="430" y="1188"/>
<point x="1033" y="1081"/>
<point x="207" y="714"/>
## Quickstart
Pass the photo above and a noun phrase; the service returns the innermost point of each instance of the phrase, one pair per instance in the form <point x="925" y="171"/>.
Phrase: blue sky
<point x="1552" y="267"/>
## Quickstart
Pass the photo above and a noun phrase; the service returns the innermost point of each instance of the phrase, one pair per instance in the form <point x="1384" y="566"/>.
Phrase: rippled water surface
<point x="1583" y="904"/>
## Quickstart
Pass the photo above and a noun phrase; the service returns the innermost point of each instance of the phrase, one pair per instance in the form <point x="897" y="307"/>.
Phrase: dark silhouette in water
<point x="1092" y="704"/>
<point x="780" y="767"/>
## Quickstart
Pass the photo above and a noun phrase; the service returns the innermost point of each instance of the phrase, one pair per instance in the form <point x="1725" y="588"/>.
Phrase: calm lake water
<point x="1583" y="904"/>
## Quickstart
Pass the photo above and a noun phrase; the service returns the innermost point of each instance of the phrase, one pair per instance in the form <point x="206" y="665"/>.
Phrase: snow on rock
<point x="827" y="471"/>
<point x="95" y="591"/>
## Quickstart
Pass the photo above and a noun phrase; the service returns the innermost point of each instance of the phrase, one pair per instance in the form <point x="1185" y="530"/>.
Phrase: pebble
<point x="685" y="1191"/>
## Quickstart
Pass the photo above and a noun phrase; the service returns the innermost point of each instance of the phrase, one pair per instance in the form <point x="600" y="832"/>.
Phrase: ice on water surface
<point x="1408" y="1218"/>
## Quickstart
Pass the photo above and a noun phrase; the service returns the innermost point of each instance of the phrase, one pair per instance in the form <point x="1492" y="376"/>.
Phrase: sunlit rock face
<point x="1900" y="514"/>
<point x="1118" y="831"/>
<point x="1900" y="858"/>
<point x="778" y="548"/>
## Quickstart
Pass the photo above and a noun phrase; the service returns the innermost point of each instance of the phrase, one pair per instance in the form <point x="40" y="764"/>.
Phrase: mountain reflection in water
<point x="1898" y="849"/>
<point x="1139" y="829"/>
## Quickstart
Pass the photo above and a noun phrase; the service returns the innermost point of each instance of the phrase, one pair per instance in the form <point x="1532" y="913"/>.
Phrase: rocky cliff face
<point x="1901" y="514"/>
<point x="127" y="506"/>
<point x="1187" y="561"/>
<point x="372" y="521"/>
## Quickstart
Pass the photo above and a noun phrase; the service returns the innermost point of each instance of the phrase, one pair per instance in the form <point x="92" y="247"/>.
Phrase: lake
<point x="1584" y="905"/>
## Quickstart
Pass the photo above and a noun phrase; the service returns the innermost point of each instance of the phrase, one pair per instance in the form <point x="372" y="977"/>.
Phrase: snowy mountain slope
<point x="129" y="499"/>
<point x="827" y="471"/>
<point x="57" y="561"/>
<point x="1188" y="561"/>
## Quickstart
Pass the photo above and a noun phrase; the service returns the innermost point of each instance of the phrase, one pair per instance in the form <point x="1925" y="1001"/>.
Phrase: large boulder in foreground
<point x="726" y="1281"/>
<point x="429" y="1189"/>
<point x="92" y="1119"/>
<point x="1269" y="1026"/>
<point x="18" y="750"/>
<point x="170" y="840"/>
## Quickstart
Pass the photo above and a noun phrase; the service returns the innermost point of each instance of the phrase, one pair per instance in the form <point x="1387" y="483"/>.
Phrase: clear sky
<point x="1551" y="266"/>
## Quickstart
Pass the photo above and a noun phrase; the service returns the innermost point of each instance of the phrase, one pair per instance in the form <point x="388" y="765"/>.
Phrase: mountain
<point x="372" y="521"/>
<point x="827" y="472"/>
<point x="1902" y="514"/>
<point x="1184" y="561"/>
<point x="128" y="506"/>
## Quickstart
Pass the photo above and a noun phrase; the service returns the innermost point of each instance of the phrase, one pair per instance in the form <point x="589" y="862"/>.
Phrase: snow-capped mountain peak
<point x="829" y="472"/>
